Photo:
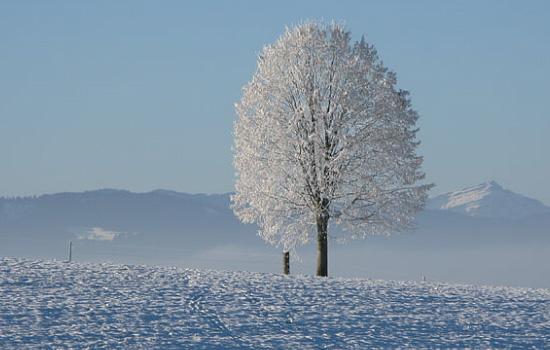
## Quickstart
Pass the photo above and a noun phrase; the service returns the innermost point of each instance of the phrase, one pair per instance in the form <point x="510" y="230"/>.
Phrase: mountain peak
<point x="488" y="200"/>
<point x="493" y="184"/>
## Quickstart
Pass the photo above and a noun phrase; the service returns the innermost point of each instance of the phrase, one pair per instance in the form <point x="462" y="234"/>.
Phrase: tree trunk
<point x="322" y="244"/>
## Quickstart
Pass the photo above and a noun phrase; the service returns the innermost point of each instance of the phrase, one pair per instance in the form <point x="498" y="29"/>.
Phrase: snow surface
<point x="57" y="305"/>
<point x="488" y="200"/>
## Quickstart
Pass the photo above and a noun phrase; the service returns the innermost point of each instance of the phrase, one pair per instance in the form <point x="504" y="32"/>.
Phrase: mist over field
<point x="200" y="231"/>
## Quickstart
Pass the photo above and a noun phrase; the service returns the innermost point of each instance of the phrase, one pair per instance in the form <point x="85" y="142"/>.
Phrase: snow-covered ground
<point x="58" y="305"/>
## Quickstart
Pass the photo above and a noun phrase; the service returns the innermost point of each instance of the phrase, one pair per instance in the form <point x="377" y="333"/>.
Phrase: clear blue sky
<point x="139" y="95"/>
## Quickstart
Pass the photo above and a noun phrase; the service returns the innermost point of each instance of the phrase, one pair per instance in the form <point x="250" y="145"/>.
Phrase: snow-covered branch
<point x="324" y="133"/>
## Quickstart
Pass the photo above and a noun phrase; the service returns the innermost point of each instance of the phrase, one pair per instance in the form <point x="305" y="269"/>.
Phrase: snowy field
<point x="57" y="305"/>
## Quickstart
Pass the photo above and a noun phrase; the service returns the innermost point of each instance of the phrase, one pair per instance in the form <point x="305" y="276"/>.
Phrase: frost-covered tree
<point x="325" y="138"/>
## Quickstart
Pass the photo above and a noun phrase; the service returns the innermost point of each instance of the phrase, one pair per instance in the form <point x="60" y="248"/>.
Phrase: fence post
<point x="286" y="263"/>
<point x="70" y="251"/>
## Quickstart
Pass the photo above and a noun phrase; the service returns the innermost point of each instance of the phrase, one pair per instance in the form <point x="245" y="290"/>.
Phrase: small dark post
<point x="286" y="263"/>
<point x="70" y="251"/>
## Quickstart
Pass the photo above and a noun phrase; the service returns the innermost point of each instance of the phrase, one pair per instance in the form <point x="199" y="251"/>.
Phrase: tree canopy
<point x="325" y="138"/>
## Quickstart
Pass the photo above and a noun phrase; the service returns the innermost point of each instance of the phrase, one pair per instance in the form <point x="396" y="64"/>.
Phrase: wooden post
<point x="70" y="251"/>
<point x="286" y="263"/>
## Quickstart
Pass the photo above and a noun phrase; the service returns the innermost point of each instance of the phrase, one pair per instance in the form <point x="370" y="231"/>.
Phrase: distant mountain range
<point x="488" y="200"/>
<point x="163" y="217"/>
<point x="197" y="230"/>
<point x="169" y="218"/>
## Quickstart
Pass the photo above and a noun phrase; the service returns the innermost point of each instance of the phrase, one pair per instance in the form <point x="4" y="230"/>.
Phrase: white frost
<point x="324" y="136"/>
